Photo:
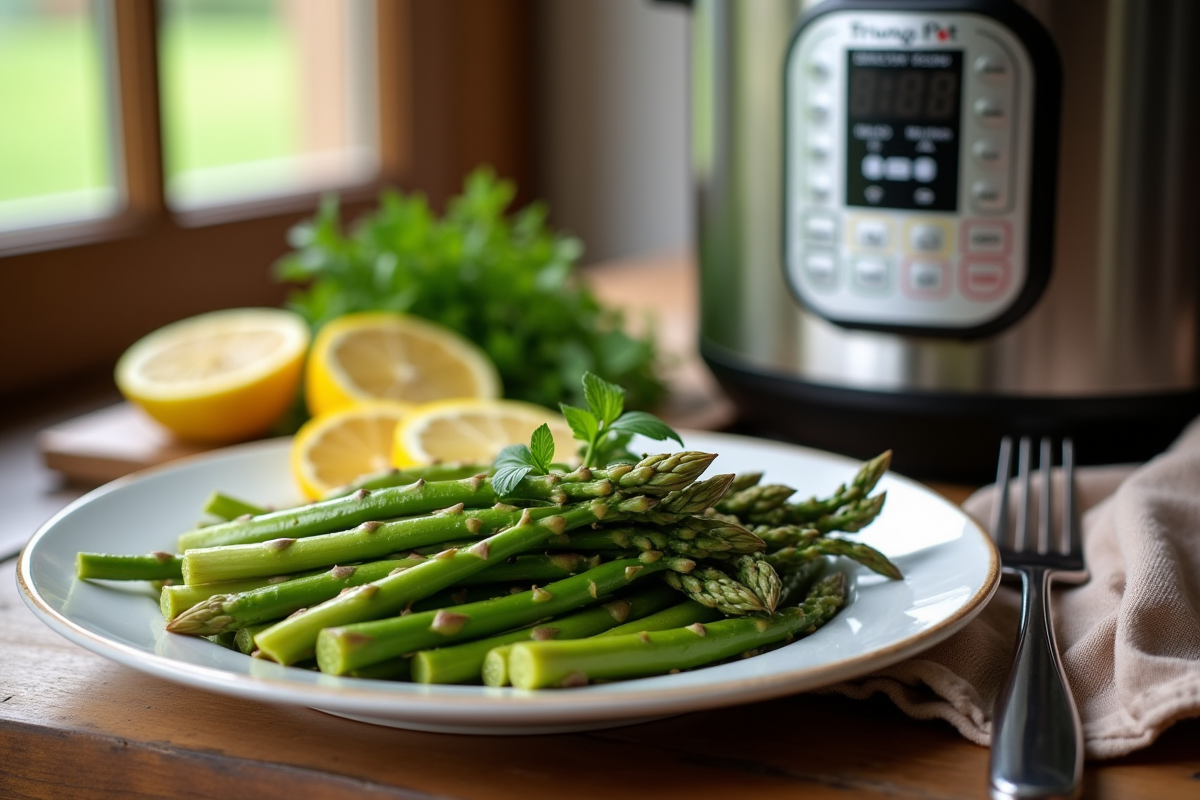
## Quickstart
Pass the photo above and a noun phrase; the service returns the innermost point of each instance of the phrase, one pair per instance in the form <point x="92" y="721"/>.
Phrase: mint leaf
<point x="645" y="424"/>
<point x="583" y="423"/>
<point x="511" y="465"/>
<point x="606" y="400"/>
<point x="541" y="448"/>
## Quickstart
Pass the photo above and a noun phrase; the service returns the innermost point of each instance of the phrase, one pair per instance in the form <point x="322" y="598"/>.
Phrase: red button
<point x="983" y="279"/>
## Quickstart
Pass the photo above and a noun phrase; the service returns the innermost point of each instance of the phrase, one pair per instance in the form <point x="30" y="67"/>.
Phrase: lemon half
<point x="340" y="446"/>
<point x="218" y="377"/>
<point x="378" y="355"/>
<point x="475" y="431"/>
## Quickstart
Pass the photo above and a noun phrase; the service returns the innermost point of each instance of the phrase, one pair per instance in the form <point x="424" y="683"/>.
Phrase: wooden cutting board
<point x="106" y="444"/>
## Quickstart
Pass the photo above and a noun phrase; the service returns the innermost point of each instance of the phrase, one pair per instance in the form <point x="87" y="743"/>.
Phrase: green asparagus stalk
<point x="463" y="663"/>
<point x="689" y="612"/>
<point x="225" y="507"/>
<point x="537" y="665"/>
<point x="694" y="537"/>
<point x="370" y="540"/>
<point x="864" y="554"/>
<point x="347" y="647"/>
<point x="744" y="480"/>
<point x="712" y="587"/>
<point x="224" y="612"/>
<point x="157" y="566"/>
<point x="808" y="512"/>
<point x="175" y="599"/>
<point x="798" y="578"/>
<point x="853" y="517"/>
<point x="654" y="475"/>
<point x="755" y="501"/>
<point x="389" y="478"/>
<point x="760" y="577"/>
<point x="679" y="615"/>
<point x="243" y="638"/>
<point x="296" y="637"/>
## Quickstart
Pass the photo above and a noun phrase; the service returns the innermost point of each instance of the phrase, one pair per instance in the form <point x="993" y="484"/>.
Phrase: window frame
<point x="79" y="294"/>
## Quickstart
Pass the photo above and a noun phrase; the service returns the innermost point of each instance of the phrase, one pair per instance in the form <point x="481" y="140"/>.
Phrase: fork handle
<point x="1037" y="740"/>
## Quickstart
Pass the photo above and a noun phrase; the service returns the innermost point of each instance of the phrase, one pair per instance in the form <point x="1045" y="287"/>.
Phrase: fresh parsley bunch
<point x="507" y="283"/>
<point x="604" y="428"/>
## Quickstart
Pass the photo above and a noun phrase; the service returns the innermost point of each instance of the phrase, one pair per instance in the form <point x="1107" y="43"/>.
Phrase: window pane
<point x="265" y="97"/>
<point x="55" y="143"/>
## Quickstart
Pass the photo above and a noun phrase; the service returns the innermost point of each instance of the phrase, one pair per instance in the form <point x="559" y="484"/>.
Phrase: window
<point x="353" y="95"/>
<point x="55" y="137"/>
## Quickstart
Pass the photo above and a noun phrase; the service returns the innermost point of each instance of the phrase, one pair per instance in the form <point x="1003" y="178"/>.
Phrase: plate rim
<point x="513" y="708"/>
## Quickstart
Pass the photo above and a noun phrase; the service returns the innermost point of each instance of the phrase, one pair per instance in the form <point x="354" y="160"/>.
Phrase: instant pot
<point x="925" y="225"/>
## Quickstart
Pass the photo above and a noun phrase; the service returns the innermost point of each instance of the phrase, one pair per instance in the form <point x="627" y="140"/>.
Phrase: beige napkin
<point x="1129" y="638"/>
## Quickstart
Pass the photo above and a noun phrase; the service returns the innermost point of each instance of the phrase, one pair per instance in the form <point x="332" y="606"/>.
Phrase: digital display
<point x="902" y="128"/>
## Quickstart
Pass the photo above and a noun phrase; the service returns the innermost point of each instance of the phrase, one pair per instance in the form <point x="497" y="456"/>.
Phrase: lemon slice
<point x="217" y="377"/>
<point x="475" y="431"/>
<point x="384" y="356"/>
<point x="335" y="448"/>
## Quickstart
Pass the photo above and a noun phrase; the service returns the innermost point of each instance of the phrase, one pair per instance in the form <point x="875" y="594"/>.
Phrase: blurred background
<point x="153" y="155"/>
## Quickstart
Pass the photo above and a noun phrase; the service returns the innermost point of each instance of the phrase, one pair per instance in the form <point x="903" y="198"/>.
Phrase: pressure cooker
<point x="925" y="225"/>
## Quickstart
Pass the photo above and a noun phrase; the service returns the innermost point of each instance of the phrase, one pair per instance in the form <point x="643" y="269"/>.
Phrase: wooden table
<point x="76" y="726"/>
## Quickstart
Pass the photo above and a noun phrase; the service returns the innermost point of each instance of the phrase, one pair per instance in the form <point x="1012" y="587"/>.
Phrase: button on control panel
<point x="907" y="167"/>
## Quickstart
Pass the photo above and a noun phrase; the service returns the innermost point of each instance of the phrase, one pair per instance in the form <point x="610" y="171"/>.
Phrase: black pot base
<point x="949" y="437"/>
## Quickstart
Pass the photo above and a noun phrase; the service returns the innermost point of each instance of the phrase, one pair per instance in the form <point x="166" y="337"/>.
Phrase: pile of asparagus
<point x="595" y="574"/>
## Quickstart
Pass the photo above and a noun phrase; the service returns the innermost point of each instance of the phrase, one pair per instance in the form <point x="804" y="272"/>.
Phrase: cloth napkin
<point x="1129" y="637"/>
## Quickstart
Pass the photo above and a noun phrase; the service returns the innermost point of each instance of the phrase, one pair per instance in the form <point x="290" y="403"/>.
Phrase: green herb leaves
<point x="516" y="461"/>
<point x="506" y="282"/>
<point x="605" y="429"/>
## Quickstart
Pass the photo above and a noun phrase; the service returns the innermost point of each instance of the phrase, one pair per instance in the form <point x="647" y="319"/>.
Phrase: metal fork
<point x="1037" y="740"/>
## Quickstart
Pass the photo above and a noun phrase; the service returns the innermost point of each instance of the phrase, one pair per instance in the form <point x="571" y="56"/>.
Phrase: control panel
<point x="911" y="189"/>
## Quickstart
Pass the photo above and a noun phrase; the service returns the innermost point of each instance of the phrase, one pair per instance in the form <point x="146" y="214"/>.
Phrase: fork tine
<point x="1046" y="497"/>
<point x="1071" y="544"/>
<point x="1024" y="506"/>
<point x="1000" y="512"/>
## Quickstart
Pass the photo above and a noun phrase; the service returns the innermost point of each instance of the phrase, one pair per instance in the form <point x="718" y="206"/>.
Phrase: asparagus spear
<point x="384" y="479"/>
<point x="654" y="475"/>
<point x="744" y="480"/>
<point x="224" y="612"/>
<point x="175" y="599"/>
<point x="809" y="511"/>
<point x="157" y="566"/>
<point x="760" y="577"/>
<point x="710" y="586"/>
<point x="370" y="540"/>
<point x="295" y="637"/>
<point x="864" y="554"/>
<point x="347" y="647"/>
<point x="243" y="638"/>
<point x="463" y="663"/>
<point x="689" y="612"/>
<point x="536" y="665"/>
<point x="755" y="501"/>
<point x="694" y="537"/>
<point x="225" y="507"/>
<point x="679" y="615"/>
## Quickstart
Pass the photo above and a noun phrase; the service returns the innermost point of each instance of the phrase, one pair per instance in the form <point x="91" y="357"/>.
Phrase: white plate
<point x="949" y="563"/>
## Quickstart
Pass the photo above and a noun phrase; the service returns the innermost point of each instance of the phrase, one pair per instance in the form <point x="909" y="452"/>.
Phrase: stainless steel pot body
<point x="1119" y="322"/>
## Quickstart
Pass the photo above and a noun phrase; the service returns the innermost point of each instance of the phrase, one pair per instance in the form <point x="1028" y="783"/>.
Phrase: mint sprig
<point x="517" y="460"/>
<point x="604" y="428"/>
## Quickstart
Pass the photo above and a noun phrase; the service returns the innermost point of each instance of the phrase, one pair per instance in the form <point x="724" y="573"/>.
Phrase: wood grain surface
<point x="74" y="725"/>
